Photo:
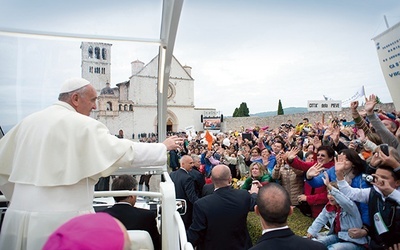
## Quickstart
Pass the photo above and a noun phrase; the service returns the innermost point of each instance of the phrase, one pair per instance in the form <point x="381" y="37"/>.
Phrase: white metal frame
<point x="173" y="231"/>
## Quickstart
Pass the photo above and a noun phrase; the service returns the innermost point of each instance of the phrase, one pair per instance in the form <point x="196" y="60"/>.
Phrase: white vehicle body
<point x="171" y="227"/>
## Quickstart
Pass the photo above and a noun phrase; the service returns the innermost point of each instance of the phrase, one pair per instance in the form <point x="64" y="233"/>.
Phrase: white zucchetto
<point x="73" y="84"/>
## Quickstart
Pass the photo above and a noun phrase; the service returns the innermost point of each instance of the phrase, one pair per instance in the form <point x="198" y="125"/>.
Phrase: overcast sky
<point x="240" y="51"/>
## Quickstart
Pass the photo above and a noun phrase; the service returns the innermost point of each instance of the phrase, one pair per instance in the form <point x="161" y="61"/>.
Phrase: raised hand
<point x="315" y="170"/>
<point x="317" y="142"/>
<point x="280" y="159"/>
<point x="388" y="160"/>
<point x="291" y="154"/>
<point x="354" y="105"/>
<point x="370" y="104"/>
<point x="240" y="140"/>
<point x="335" y="135"/>
<point x="173" y="142"/>
<point x="328" y="132"/>
<point x="261" y="133"/>
<point x="383" y="185"/>
<point x="395" y="247"/>
<point x="339" y="166"/>
<point x="326" y="180"/>
<point x="291" y="133"/>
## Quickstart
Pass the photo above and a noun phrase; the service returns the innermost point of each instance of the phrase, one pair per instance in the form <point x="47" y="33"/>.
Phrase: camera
<point x="370" y="178"/>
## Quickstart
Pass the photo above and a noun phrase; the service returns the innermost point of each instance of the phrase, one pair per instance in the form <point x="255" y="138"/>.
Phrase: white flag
<point x="358" y="94"/>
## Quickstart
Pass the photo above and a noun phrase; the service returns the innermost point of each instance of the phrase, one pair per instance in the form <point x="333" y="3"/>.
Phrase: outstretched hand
<point x="339" y="166"/>
<point x="326" y="180"/>
<point x="370" y="104"/>
<point x="173" y="142"/>
<point x="383" y="185"/>
<point x="354" y="105"/>
<point x="315" y="170"/>
<point x="291" y="154"/>
<point x="317" y="142"/>
<point x="388" y="160"/>
<point x="395" y="247"/>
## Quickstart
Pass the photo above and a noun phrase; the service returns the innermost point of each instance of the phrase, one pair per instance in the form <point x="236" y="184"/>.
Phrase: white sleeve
<point x="140" y="155"/>
<point x="395" y="195"/>
<point x="354" y="194"/>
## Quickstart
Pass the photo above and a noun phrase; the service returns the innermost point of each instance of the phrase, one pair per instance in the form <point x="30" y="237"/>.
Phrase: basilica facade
<point x="132" y="104"/>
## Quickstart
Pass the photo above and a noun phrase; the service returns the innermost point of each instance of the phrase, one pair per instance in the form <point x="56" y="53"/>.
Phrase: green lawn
<point x="297" y="222"/>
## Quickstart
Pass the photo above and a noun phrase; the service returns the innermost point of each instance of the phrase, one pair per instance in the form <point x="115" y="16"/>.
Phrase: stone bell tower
<point x="96" y="64"/>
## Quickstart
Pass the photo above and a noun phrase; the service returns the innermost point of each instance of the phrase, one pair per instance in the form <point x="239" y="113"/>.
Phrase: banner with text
<point x="388" y="49"/>
<point x="325" y="105"/>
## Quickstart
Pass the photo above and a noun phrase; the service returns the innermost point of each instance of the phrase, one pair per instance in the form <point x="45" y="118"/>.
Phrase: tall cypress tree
<point x="280" y="109"/>
<point x="241" y="111"/>
<point x="235" y="113"/>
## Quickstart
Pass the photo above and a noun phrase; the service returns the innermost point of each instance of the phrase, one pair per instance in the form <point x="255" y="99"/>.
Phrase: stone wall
<point x="235" y="123"/>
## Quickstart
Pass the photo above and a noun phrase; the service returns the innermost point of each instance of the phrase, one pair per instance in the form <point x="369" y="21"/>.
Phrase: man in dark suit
<point x="273" y="207"/>
<point x="184" y="187"/>
<point x="198" y="177"/>
<point x="207" y="189"/>
<point x="133" y="218"/>
<point x="219" y="219"/>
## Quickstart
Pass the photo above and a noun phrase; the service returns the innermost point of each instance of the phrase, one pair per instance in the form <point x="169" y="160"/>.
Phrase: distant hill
<point x="286" y="111"/>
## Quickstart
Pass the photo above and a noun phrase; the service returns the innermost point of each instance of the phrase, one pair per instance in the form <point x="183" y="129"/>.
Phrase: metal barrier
<point x="173" y="233"/>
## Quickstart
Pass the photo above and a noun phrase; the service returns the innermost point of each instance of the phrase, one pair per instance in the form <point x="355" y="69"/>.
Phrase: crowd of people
<point x="345" y="175"/>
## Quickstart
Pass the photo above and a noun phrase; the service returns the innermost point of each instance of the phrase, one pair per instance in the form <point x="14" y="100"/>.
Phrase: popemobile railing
<point x="173" y="233"/>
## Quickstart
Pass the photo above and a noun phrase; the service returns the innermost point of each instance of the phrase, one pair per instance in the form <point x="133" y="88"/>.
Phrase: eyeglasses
<point x="322" y="155"/>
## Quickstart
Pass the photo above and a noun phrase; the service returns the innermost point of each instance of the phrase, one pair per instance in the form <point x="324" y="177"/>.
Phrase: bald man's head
<point x="187" y="162"/>
<point x="221" y="176"/>
<point x="273" y="204"/>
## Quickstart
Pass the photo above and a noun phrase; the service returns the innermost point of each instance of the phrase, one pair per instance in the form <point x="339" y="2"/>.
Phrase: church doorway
<point x="169" y="126"/>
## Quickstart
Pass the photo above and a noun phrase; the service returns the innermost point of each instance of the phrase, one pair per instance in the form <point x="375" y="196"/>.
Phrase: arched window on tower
<point x="120" y="107"/>
<point x="125" y="107"/>
<point x="97" y="52"/>
<point x="90" y="52"/>
<point x="104" y="53"/>
<point x="131" y="107"/>
<point x="109" y="106"/>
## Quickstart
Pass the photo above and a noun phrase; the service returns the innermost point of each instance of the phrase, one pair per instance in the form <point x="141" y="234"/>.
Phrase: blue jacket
<point x="357" y="182"/>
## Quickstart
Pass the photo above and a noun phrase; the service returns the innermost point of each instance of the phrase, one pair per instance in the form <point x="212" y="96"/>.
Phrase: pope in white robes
<point x="51" y="161"/>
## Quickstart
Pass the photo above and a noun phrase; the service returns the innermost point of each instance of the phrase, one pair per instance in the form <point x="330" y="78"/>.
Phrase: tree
<point x="378" y="101"/>
<point x="235" y="113"/>
<point x="280" y="109"/>
<point x="241" y="111"/>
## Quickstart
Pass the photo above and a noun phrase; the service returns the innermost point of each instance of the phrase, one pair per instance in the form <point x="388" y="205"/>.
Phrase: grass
<point x="297" y="222"/>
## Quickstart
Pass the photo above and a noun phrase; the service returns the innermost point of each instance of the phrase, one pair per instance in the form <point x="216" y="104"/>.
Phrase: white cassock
<point x="49" y="165"/>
